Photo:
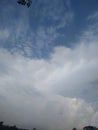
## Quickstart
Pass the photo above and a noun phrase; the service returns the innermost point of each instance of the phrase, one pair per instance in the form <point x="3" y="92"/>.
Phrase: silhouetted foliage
<point x="25" y="2"/>
<point x="74" y="129"/>
<point x="90" y="128"/>
<point x="7" y="127"/>
<point x="1" y="123"/>
<point x="34" y="128"/>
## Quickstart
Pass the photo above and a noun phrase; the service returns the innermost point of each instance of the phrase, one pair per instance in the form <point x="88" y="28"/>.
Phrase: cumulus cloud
<point x="49" y="93"/>
<point x="59" y="92"/>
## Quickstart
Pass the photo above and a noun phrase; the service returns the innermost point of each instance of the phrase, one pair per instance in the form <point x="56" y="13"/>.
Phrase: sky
<point x="49" y="64"/>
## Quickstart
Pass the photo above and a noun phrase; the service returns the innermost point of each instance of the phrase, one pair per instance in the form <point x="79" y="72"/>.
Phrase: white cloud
<point x="51" y="112"/>
<point x="47" y="93"/>
<point x="26" y="31"/>
<point x="95" y="119"/>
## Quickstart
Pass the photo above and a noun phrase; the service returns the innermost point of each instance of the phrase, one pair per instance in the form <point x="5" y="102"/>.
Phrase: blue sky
<point x="49" y="64"/>
<point x="59" y="23"/>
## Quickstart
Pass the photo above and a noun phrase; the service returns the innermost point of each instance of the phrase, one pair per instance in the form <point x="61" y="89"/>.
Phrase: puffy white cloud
<point x="49" y="93"/>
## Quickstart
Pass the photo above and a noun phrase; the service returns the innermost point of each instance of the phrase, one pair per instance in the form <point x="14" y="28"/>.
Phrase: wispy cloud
<point x="48" y="92"/>
<point x="38" y="40"/>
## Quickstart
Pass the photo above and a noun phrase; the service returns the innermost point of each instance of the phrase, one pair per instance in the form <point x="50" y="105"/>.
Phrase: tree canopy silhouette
<point x="25" y="2"/>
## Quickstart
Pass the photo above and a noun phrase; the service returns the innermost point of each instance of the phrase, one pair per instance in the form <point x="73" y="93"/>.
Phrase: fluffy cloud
<point x="54" y="93"/>
<point x="50" y="93"/>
